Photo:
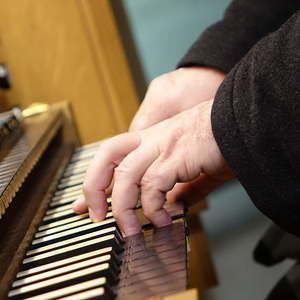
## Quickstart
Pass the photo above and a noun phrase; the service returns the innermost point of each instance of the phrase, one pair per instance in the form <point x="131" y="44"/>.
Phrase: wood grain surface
<point x="68" y="50"/>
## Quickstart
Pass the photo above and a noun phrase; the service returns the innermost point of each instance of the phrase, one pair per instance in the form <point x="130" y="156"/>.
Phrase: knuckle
<point x="164" y="87"/>
<point x="159" y="82"/>
<point x="153" y="181"/>
<point x="154" y="82"/>
<point x="122" y="171"/>
<point x="148" y="181"/>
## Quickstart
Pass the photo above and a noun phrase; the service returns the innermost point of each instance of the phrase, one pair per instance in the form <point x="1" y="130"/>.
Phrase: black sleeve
<point x="245" y="22"/>
<point x="256" y="123"/>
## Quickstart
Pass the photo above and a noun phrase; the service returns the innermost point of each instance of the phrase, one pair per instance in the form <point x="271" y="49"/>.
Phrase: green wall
<point x="164" y="29"/>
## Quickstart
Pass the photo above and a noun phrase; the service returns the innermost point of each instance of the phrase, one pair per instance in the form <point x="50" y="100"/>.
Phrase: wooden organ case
<point x="49" y="252"/>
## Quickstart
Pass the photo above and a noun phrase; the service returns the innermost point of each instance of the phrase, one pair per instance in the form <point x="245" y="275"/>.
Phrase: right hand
<point x="174" y="92"/>
<point x="170" y="94"/>
<point x="146" y="164"/>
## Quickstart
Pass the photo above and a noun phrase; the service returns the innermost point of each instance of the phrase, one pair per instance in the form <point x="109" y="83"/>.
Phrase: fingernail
<point x="93" y="216"/>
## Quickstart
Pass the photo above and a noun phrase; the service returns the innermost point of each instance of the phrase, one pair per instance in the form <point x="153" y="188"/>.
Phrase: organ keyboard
<point x="49" y="252"/>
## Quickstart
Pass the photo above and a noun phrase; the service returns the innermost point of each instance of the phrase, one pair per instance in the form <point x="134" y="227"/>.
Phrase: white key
<point x="68" y="226"/>
<point x="62" y="222"/>
<point x="84" y="155"/>
<point x="74" y="171"/>
<point x="77" y="230"/>
<point x="62" y="278"/>
<point x="63" y="250"/>
<point x="69" y="241"/>
<point x="72" y="177"/>
<point x="97" y="292"/>
<point x="66" y="199"/>
<point x="62" y="270"/>
<point x="63" y="262"/>
<point x="77" y="181"/>
<point x="57" y="294"/>
<point x="87" y="146"/>
<point x="78" y="164"/>
<point x="58" y="209"/>
<point x="68" y="191"/>
<point x="59" y="214"/>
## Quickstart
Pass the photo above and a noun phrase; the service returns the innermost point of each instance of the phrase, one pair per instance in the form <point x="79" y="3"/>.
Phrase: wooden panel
<point x="130" y="47"/>
<point x="201" y="270"/>
<point x="186" y="295"/>
<point x="57" y="50"/>
<point x="111" y="63"/>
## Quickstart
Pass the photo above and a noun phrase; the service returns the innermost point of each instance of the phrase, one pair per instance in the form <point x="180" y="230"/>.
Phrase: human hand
<point x="170" y="94"/>
<point x="148" y="163"/>
<point x="174" y="92"/>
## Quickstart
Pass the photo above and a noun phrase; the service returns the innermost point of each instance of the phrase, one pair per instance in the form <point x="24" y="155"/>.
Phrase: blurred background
<point x="163" y="30"/>
<point x="100" y="55"/>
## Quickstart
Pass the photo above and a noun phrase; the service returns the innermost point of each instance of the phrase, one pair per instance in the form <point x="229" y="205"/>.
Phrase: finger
<point x="194" y="191"/>
<point x="100" y="172"/>
<point x="157" y="181"/>
<point x="126" y="190"/>
<point x="80" y="206"/>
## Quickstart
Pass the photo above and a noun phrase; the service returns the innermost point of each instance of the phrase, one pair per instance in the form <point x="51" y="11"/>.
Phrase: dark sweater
<point x="256" y="112"/>
<point x="245" y="22"/>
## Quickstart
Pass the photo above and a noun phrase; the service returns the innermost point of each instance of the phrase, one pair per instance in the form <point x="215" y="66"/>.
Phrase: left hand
<point x="174" y="92"/>
<point x="148" y="163"/>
